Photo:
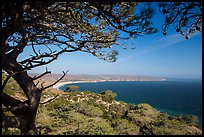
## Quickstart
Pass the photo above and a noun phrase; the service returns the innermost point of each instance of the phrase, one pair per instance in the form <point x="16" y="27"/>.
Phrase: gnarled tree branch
<point x="46" y="101"/>
<point x="64" y="73"/>
<point x="37" y="77"/>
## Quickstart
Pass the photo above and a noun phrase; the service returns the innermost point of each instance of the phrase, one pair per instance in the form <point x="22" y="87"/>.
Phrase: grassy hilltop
<point x="88" y="113"/>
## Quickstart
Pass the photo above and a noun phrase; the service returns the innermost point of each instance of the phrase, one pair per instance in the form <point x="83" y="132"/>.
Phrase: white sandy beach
<point x="71" y="82"/>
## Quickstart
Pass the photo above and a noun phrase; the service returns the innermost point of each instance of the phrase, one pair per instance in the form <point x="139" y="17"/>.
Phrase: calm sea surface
<point x="175" y="97"/>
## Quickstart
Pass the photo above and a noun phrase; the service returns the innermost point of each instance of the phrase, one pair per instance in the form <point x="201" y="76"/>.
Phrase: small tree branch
<point x="34" y="49"/>
<point x="46" y="72"/>
<point x="39" y="64"/>
<point x="21" y="45"/>
<point x="49" y="100"/>
<point x="42" y="84"/>
<point x="64" y="73"/>
<point x="37" y="83"/>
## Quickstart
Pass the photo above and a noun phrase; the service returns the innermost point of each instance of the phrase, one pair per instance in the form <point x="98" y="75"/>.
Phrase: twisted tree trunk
<point x="25" y="112"/>
<point x="33" y="94"/>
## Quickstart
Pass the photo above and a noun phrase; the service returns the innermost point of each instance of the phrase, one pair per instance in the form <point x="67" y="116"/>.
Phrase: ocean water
<point x="173" y="96"/>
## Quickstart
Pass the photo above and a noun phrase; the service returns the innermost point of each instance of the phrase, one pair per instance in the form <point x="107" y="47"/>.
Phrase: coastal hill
<point x="77" y="77"/>
<point x="88" y="113"/>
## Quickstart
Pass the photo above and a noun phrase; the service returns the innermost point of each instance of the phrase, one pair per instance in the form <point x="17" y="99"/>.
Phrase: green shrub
<point x="108" y="96"/>
<point x="11" y="131"/>
<point x="124" y="127"/>
<point x="189" y="119"/>
<point x="11" y="86"/>
<point x="72" y="88"/>
<point x="88" y="110"/>
<point x="9" y="92"/>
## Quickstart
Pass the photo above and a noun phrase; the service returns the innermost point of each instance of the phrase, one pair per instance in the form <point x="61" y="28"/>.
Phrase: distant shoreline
<point x="58" y="85"/>
<point x="70" y="82"/>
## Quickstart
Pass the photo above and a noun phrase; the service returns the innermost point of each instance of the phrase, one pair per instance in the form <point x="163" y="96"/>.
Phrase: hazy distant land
<point x="83" y="77"/>
<point x="76" y="78"/>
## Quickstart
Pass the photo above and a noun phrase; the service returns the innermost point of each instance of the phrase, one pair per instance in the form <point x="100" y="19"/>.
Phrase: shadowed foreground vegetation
<point x="88" y="113"/>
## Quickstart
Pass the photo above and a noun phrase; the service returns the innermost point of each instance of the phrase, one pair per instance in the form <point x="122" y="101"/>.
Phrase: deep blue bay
<point x="173" y="96"/>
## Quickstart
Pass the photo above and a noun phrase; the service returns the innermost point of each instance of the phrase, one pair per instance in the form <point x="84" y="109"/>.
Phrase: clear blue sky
<point x="155" y="55"/>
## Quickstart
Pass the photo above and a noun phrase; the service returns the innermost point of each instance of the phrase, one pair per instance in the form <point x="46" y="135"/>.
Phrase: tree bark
<point x="33" y="94"/>
<point x="25" y="112"/>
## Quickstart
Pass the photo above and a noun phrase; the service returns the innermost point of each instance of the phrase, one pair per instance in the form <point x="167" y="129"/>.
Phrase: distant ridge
<point x="84" y="77"/>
